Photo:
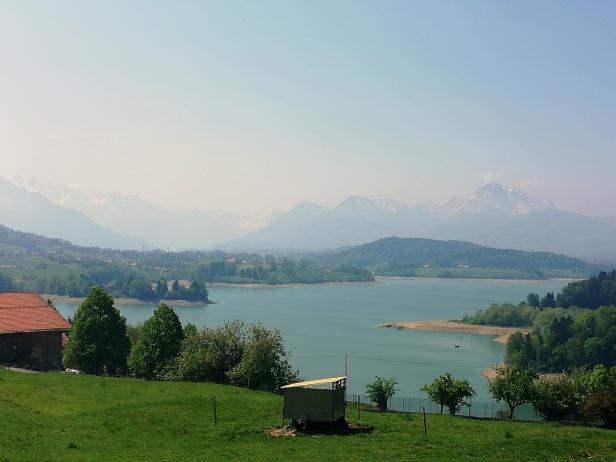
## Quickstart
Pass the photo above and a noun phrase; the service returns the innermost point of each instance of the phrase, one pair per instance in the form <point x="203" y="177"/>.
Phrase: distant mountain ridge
<point x="32" y="212"/>
<point x="164" y="228"/>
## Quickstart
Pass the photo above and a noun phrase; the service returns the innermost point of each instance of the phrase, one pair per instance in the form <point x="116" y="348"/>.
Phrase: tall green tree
<point x="158" y="345"/>
<point x="97" y="340"/>
<point x="513" y="385"/>
<point x="450" y="392"/>
<point x="549" y="301"/>
<point x="533" y="300"/>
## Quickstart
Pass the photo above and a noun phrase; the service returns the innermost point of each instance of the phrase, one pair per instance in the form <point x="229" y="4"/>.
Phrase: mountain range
<point x="495" y="216"/>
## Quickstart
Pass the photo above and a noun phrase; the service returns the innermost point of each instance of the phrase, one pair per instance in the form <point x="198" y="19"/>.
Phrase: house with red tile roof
<point x="30" y="331"/>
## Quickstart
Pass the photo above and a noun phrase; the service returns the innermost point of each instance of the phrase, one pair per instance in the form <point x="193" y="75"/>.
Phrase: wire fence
<point x="477" y="409"/>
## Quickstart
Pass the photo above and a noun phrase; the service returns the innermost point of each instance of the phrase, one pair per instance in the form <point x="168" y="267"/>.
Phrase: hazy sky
<point x="254" y="106"/>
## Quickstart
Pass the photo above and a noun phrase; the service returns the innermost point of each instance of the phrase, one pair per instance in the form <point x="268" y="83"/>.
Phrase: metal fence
<point x="477" y="409"/>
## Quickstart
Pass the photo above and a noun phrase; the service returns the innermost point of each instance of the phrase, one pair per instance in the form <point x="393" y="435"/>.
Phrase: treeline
<point x="590" y="293"/>
<point x="99" y="342"/>
<point x="567" y="331"/>
<point x="565" y="339"/>
<point x="282" y="271"/>
<point x="586" y="395"/>
<point x="120" y="284"/>
<point x="583" y="395"/>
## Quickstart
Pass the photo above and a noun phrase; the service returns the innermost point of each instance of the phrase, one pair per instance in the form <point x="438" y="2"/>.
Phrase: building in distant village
<point x="31" y="332"/>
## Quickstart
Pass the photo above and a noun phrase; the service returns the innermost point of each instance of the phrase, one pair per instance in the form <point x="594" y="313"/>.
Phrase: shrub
<point x="601" y="406"/>
<point x="381" y="390"/>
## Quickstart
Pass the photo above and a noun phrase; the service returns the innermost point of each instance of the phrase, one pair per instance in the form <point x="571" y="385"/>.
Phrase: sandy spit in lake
<point x="501" y="333"/>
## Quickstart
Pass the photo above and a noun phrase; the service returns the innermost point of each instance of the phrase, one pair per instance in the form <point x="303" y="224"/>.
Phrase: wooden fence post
<point x="215" y="419"/>
<point x="425" y="423"/>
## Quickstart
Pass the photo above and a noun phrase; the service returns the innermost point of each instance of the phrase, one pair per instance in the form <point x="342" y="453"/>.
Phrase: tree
<point x="513" y="385"/>
<point x="381" y="390"/>
<point x="6" y="284"/>
<point x="549" y="301"/>
<point x="161" y="288"/>
<point x="265" y="361"/>
<point x="141" y="289"/>
<point x="97" y="340"/>
<point x="158" y="345"/>
<point x="449" y="392"/>
<point x="520" y="350"/>
<point x="533" y="300"/>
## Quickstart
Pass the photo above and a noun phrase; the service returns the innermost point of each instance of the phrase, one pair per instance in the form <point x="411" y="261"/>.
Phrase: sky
<point x="255" y="106"/>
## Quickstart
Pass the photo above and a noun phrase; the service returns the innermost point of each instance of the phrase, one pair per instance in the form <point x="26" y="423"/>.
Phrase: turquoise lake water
<point x="320" y="323"/>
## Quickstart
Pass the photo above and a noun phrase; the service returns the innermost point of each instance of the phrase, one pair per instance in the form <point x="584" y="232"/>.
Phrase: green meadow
<point x="55" y="417"/>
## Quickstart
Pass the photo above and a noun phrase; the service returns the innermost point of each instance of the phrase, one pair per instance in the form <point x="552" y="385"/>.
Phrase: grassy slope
<point x="43" y="415"/>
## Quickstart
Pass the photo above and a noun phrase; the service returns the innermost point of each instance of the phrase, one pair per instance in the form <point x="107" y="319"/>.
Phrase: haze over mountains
<point x="494" y="216"/>
<point x="159" y="226"/>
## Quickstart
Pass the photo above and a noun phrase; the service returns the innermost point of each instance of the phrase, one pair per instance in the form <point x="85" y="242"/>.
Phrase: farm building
<point x="30" y="331"/>
<point x="319" y="400"/>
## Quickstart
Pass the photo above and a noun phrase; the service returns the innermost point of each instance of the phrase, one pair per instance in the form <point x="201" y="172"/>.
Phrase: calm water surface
<point x="320" y="323"/>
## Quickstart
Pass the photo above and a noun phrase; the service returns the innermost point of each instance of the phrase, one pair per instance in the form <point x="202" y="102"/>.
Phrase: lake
<point x="320" y="323"/>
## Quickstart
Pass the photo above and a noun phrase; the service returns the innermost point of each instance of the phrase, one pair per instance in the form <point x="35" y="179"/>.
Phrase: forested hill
<point x="427" y="257"/>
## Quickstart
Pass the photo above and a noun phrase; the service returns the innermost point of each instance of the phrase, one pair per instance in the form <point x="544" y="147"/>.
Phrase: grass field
<point x="54" y="417"/>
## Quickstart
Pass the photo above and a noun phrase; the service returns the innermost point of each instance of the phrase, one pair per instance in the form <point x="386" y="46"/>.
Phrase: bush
<point x="209" y="355"/>
<point x="559" y="398"/>
<point x="601" y="406"/>
<point x="381" y="390"/>
<point x="252" y="356"/>
<point x="264" y="364"/>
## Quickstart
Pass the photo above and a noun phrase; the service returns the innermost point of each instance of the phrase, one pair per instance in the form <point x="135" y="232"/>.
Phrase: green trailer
<point x="320" y="400"/>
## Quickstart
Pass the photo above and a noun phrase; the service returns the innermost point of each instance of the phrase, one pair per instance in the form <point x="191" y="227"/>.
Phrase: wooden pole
<point x="359" y="408"/>
<point x="215" y="419"/>
<point x="425" y="422"/>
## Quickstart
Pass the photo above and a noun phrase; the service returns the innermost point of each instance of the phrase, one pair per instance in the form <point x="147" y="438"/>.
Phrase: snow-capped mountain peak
<point x="494" y="198"/>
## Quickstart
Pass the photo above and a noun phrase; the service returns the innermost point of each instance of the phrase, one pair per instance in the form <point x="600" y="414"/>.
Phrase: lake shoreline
<point x="512" y="281"/>
<point x="124" y="301"/>
<point x="500" y="334"/>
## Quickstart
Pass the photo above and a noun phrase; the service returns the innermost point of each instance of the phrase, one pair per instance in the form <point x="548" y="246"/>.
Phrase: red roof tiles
<point x="27" y="312"/>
